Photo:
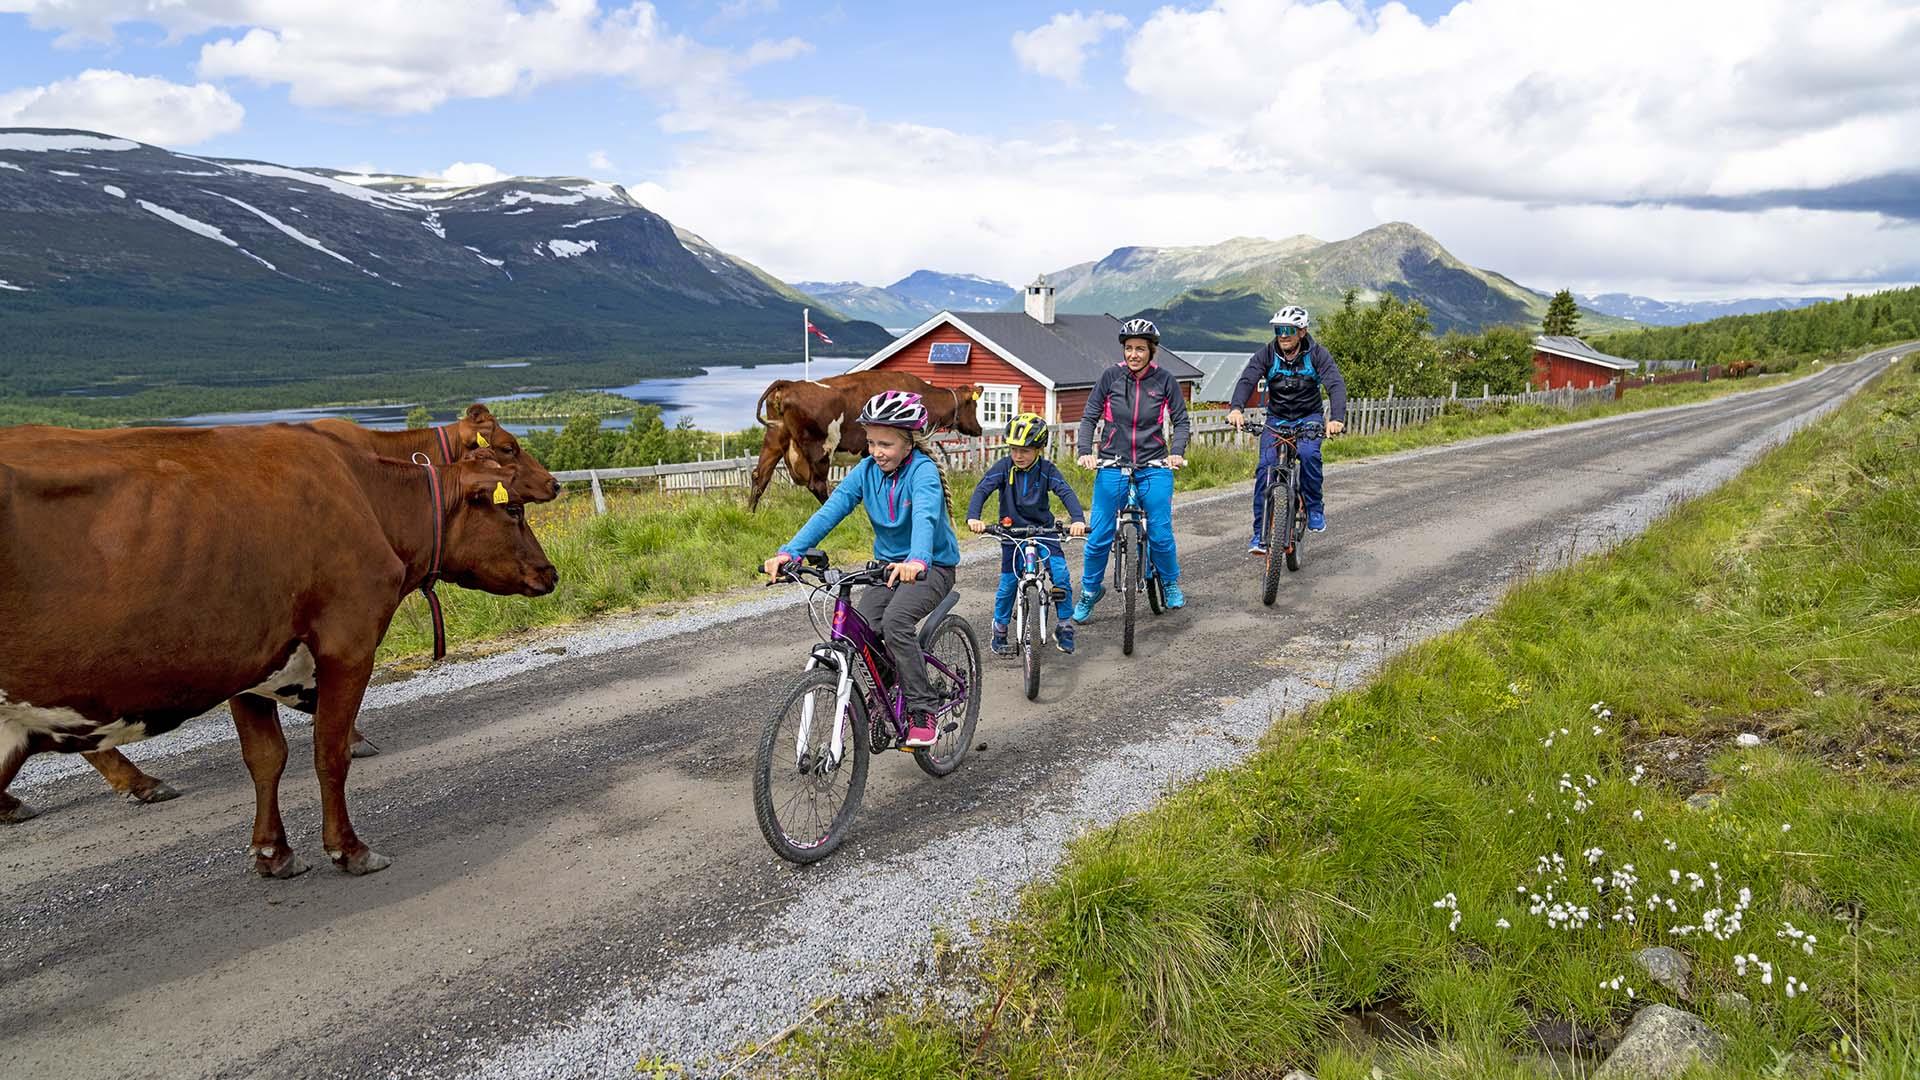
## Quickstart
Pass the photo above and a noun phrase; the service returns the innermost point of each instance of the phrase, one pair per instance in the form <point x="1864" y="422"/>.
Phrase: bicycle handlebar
<point x="1116" y="463"/>
<point x="1016" y="533"/>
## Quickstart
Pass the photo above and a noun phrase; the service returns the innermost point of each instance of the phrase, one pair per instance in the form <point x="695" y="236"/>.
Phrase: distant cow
<point x="143" y="586"/>
<point x="807" y="422"/>
<point x="1738" y="368"/>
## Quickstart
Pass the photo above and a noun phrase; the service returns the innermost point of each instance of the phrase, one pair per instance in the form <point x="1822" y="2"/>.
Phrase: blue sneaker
<point x="1063" y="637"/>
<point x="1258" y="547"/>
<point x="1317" y="520"/>
<point x="1083" y="608"/>
<point x="999" y="643"/>
<point x="1174" y="597"/>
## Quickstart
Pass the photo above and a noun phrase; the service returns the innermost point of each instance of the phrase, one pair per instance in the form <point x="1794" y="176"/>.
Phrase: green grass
<point x="652" y="549"/>
<point x="1227" y="931"/>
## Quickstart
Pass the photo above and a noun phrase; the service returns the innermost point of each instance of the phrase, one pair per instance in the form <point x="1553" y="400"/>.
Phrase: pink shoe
<point x="921" y="731"/>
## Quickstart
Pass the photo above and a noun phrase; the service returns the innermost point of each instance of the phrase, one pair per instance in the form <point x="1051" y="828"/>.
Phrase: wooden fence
<point x="1365" y="416"/>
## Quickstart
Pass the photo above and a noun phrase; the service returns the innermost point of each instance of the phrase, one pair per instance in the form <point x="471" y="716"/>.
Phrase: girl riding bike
<point x="904" y="489"/>
<point x="1135" y="398"/>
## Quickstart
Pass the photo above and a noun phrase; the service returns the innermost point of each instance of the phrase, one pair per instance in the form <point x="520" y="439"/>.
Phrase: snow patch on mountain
<point x="518" y="196"/>
<point x="351" y="191"/>
<point x="113" y="191"/>
<point x="484" y="259"/>
<point x="567" y="249"/>
<point x="58" y="172"/>
<point x="288" y="229"/>
<point x="34" y="142"/>
<point x="11" y="165"/>
<point x="200" y="228"/>
<point x="433" y="225"/>
<point x="588" y="221"/>
<point x="10" y="287"/>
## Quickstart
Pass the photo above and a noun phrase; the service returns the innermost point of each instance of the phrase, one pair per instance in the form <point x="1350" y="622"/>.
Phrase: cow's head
<point x="966" y="411"/>
<point x="531" y="482"/>
<point x="488" y="544"/>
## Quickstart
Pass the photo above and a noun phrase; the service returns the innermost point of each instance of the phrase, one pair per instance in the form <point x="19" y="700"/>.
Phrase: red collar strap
<point x="439" y="539"/>
<point x="446" y="443"/>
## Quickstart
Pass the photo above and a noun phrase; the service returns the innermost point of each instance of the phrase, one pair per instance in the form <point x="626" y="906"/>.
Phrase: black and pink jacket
<point x="1135" y="410"/>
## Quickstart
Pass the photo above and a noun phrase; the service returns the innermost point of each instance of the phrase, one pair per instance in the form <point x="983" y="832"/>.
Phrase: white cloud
<point x="133" y="106"/>
<point x="469" y="173"/>
<point x="1058" y="49"/>
<point x="1556" y="100"/>
<point x="598" y="161"/>
<point x="409" y="56"/>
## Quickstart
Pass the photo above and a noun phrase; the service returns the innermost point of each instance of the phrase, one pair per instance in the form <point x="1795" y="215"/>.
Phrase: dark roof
<point x="1580" y="350"/>
<point x="1072" y="351"/>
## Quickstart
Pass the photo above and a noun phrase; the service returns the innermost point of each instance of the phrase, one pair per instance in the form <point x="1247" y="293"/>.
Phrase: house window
<point x="998" y="404"/>
<point x="948" y="352"/>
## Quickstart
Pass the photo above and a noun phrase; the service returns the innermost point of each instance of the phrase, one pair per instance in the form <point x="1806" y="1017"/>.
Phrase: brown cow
<point x="476" y="429"/>
<point x="807" y="422"/>
<point x="252" y="565"/>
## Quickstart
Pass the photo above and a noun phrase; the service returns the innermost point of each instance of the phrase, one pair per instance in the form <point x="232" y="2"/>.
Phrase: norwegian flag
<point x="815" y="331"/>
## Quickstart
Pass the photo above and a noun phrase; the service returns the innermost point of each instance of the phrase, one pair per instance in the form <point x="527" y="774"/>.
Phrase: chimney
<point x="1040" y="301"/>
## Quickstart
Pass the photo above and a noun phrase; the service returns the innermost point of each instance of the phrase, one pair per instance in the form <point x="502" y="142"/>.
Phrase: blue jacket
<point x="908" y="513"/>
<point x="1024" y="493"/>
<point x="1134" y="409"/>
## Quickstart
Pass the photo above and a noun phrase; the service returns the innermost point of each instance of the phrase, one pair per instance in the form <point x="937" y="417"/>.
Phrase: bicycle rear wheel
<point x="1127" y="576"/>
<point x="1275" y="532"/>
<point x="804" y="801"/>
<point x="1032" y="639"/>
<point x="1297" y="502"/>
<point x="955" y="646"/>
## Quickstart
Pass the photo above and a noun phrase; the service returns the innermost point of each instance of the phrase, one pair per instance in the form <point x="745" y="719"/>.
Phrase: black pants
<point x="896" y="613"/>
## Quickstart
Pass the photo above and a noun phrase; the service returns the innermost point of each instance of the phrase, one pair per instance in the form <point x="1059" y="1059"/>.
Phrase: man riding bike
<point x="1295" y="368"/>
<point x="1135" y="398"/>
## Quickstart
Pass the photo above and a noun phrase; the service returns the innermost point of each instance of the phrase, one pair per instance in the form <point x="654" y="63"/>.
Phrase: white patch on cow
<point x="119" y="733"/>
<point x="13" y="740"/>
<point x="833" y="434"/>
<point x="19" y="720"/>
<point x="298" y="672"/>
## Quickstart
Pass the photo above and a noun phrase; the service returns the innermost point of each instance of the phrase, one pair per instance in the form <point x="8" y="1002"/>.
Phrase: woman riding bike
<point x="1136" y="398"/>
<point x="904" y="489"/>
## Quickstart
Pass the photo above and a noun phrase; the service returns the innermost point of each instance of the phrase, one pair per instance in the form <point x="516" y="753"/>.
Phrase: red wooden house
<point x="1567" y="361"/>
<point x="1024" y="361"/>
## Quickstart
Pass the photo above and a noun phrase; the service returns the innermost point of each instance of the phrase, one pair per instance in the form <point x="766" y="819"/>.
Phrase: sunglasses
<point x="1285" y="331"/>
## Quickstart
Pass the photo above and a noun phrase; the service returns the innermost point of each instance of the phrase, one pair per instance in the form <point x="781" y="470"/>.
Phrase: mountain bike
<point x="1035" y="597"/>
<point x="811" y="769"/>
<point x="1133" y="570"/>
<point x="1283" y="520"/>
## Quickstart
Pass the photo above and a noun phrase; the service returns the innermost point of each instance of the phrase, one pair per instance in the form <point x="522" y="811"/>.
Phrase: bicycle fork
<point x="842" y="698"/>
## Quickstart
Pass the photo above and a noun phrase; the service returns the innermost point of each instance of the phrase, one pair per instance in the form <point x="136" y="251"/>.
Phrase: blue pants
<point x="1010" y="580"/>
<point x="1309" y="472"/>
<point x="1109" y="495"/>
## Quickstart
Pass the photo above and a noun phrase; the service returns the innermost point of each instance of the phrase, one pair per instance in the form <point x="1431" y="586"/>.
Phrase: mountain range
<point x="1651" y="312"/>
<point x="914" y="298"/>
<point x="127" y="266"/>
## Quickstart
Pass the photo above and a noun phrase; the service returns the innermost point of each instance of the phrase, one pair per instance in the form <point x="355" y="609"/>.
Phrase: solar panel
<point x="949" y="352"/>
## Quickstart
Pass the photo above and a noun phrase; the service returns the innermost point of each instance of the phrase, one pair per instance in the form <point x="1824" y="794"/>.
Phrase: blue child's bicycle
<point x="1035" y="597"/>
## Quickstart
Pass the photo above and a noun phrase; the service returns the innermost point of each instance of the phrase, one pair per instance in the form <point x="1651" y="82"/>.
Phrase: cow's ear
<point x="479" y="473"/>
<point x="479" y="413"/>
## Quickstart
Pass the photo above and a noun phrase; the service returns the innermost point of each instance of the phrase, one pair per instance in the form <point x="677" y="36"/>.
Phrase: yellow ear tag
<point x="499" y="494"/>
<point x="481" y="439"/>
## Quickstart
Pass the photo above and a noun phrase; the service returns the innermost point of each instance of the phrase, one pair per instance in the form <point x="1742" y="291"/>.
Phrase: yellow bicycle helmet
<point x="1027" y="429"/>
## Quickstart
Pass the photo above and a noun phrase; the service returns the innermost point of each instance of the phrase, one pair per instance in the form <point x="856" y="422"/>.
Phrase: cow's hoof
<point x="362" y="862"/>
<point x="365" y="748"/>
<point x="158" y="791"/>
<point x="279" y="862"/>
<point x="17" y="813"/>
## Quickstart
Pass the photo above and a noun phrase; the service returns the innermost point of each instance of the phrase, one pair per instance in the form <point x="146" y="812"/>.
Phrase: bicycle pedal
<point x="1057" y="593"/>
<point x="952" y="726"/>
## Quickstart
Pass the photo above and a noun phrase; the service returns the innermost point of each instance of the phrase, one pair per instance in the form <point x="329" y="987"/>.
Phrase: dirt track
<point x="568" y="838"/>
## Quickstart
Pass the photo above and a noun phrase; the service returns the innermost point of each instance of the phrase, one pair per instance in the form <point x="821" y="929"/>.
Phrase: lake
<point x="718" y="399"/>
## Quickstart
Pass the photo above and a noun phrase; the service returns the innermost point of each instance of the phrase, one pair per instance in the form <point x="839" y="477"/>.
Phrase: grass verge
<point x="1478" y="842"/>
<point x="651" y="549"/>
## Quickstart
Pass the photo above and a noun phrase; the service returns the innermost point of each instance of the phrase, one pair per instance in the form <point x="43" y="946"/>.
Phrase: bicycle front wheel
<point x="803" y="799"/>
<point x="956" y="678"/>
<point x="1127" y="576"/>
<point x="1297" y="501"/>
<point x="1032" y="640"/>
<point x="1278" y="543"/>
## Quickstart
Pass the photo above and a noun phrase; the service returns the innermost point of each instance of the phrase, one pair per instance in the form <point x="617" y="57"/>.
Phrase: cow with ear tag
<point x="101" y="540"/>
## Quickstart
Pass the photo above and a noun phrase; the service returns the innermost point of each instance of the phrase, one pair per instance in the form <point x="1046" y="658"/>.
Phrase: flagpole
<point x="806" y="345"/>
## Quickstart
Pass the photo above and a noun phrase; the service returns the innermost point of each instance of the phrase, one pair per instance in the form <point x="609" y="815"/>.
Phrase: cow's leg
<point x="264" y="746"/>
<point x="13" y="754"/>
<point x="343" y="683"/>
<point x="772" y="449"/>
<point x="126" y="778"/>
<point x="363" y="746"/>
<point x="820" y="468"/>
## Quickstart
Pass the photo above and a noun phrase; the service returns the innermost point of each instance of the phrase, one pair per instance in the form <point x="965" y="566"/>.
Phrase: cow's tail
<point x="770" y="406"/>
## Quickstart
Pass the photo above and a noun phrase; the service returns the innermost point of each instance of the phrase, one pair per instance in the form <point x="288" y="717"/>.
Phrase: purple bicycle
<point x="812" y="765"/>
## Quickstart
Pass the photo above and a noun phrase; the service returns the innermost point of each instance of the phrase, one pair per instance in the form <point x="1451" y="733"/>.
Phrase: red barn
<point x="1567" y="361"/>
<point x="1024" y="361"/>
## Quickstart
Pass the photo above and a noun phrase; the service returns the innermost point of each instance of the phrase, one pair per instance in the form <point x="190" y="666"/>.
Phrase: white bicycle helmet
<point x="1139" y="328"/>
<point x="895" y="408"/>
<point x="1293" y="315"/>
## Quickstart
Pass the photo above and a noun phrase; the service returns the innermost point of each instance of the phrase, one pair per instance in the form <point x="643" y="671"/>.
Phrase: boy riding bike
<point x="1135" y="398"/>
<point x="1025" y="480"/>
<point x="904" y="489"/>
<point x="1295" y="368"/>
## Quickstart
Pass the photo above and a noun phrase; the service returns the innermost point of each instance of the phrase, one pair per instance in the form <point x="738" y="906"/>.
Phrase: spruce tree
<point x="1563" y="315"/>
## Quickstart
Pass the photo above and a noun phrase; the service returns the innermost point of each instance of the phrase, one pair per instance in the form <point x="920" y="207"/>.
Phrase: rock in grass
<point x="1733" y="1002"/>
<point x="1661" y="1042"/>
<point x="1703" y="800"/>
<point x="1668" y="967"/>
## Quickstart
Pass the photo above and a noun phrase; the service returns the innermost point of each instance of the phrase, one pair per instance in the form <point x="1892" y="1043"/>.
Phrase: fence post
<point x="1454" y="392"/>
<point x="599" y="500"/>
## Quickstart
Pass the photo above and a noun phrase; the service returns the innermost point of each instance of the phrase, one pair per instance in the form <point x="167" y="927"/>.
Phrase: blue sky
<point x="1709" y="149"/>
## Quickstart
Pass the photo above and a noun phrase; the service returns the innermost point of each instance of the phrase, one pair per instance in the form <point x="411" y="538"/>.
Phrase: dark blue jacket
<point x="1134" y="410"/>
<point x="1029" y="488"/>
<point x="1293" y="388"/>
